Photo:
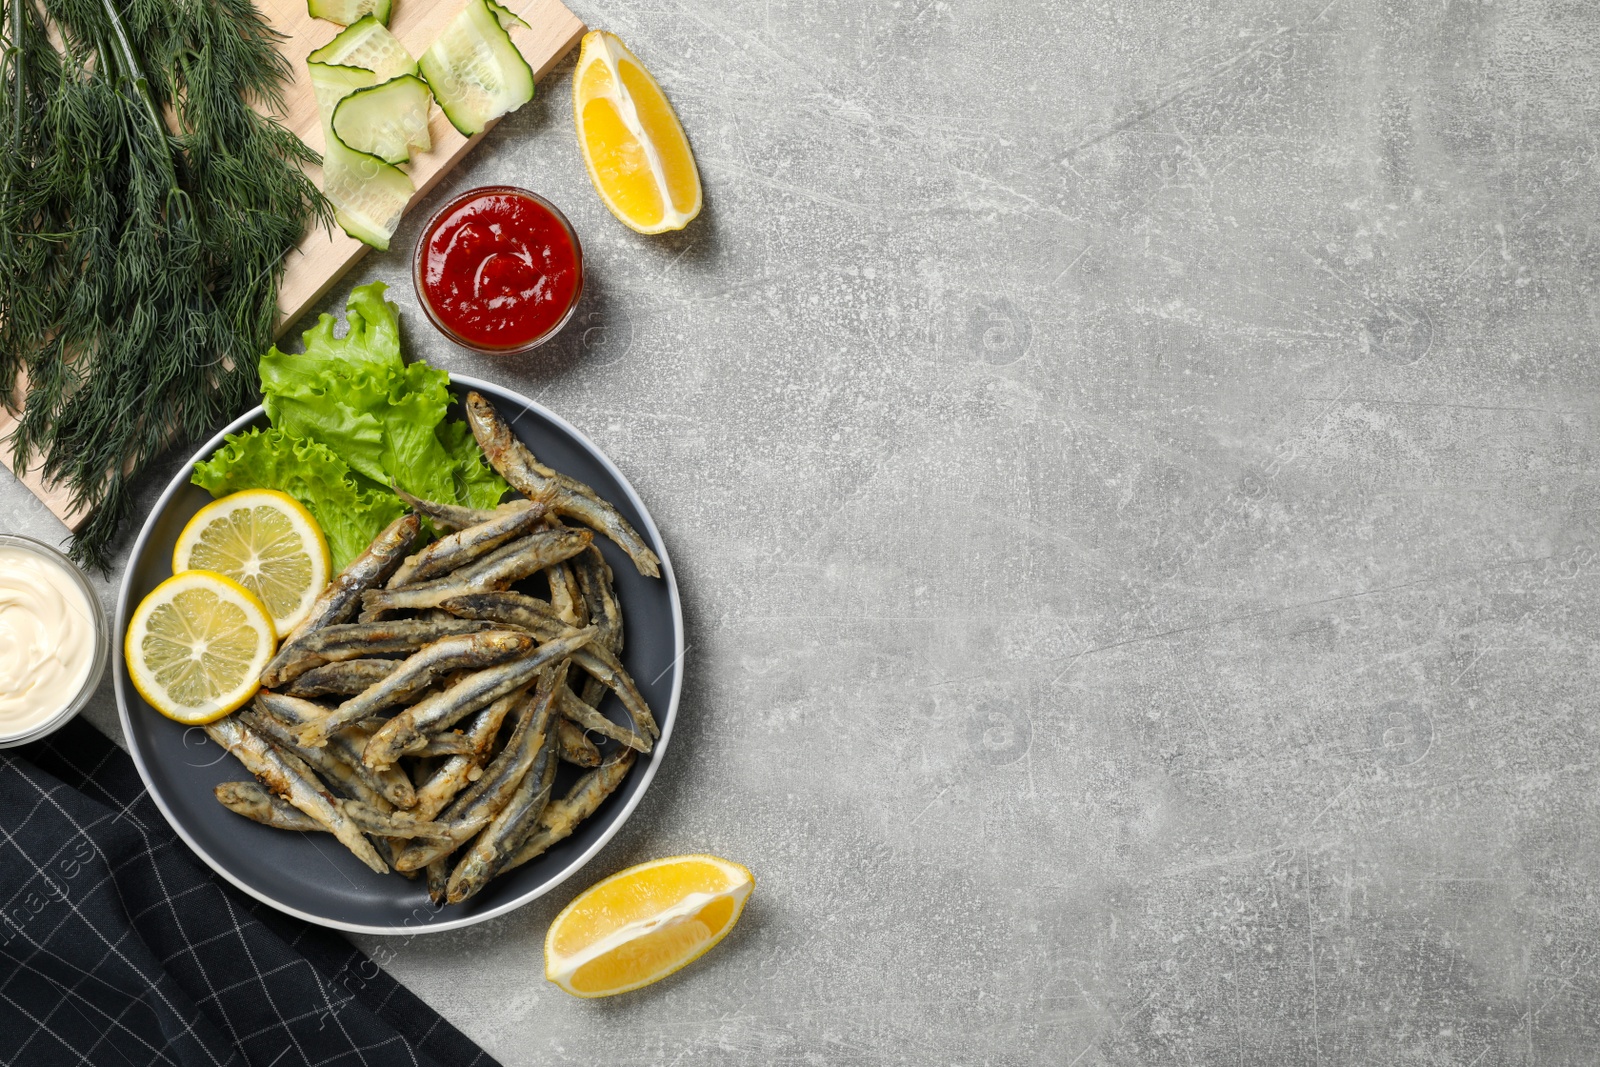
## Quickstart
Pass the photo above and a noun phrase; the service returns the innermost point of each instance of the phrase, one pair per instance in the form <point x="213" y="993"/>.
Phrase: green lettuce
<point x="349" y="513"/>
<point x="382" y="418"/>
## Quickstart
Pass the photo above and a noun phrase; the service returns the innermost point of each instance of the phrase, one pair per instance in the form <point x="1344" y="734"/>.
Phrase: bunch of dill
<point x="145" y="211"/>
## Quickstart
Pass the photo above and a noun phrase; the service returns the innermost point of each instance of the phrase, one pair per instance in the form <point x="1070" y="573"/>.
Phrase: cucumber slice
<point x="331" y="83"/>
<point x="344" y="12"/>
<point x="388" y="121"/>
<point x="367" y="43"/>
<point x="506" y="17"/>
<point x="475" y="70"/>
<point x="368" y="195"/>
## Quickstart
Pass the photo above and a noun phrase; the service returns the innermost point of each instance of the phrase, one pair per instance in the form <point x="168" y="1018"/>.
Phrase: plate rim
<point x="124" y="714"/>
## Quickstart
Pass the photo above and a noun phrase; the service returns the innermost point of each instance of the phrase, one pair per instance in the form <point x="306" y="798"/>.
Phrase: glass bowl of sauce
<point x="499" y="270"/>
<point x="54" y="639"/>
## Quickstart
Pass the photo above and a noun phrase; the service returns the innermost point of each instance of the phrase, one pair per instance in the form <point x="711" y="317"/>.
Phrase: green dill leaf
<point x="145" y="211"/>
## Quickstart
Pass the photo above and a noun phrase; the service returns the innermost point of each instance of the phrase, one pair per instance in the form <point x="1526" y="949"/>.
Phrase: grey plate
<point x="311" y="875"/>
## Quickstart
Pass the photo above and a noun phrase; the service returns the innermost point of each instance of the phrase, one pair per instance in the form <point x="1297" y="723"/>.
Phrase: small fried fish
<point x="439" y="881"/>
<point x="561" y="817"/>
<point x="466" y="546"/>
<point x="564" y="596"/>
<point x="478" y="805"/>
<point x="499" y="841"/>
<point x="346" y="678"/>
<point x="537" y="616"/>
<point x="290" y="777"/>
<point x="456" y="773"/>
<point x="574" y="710"/>
<point x="389" y="824"/>
<point x="575" y="746"/>
<point x="359" y="640"/>
<point x="564" y="496"/>
<point x="596" y="584"/>
<point x="417" y="674"/>
<point x="253" y="802"/>
<point x="455" y="517"/>
<point x="342" y="598"/>
<point x="449" y="743"/>
<point x="347" y="745"/>
<point x="335" y="772"/>
<point x="507" y="564"/>
<point x="413" y="726"/>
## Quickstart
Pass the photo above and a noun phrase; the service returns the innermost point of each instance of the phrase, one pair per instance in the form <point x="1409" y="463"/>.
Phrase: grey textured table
<point x="1132" y="473"/>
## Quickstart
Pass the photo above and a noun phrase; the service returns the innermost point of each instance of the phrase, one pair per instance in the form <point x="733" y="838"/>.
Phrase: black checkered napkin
<point x="118" y="948"/>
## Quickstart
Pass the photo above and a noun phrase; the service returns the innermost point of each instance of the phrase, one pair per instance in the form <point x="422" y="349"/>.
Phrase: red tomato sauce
<point x="499" y="269"/>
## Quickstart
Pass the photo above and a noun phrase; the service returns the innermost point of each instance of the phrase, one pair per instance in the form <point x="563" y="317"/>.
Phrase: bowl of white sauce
<point x="54" y="640"/>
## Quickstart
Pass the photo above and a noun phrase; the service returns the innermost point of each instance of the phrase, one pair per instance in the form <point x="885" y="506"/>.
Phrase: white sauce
<point x="46" y="639"/>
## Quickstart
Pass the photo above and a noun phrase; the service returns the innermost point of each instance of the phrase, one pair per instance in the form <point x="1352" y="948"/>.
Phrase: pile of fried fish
<point x="421" y="710"/>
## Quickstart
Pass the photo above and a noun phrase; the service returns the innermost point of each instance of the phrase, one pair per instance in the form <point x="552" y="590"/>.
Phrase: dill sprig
<point x="145" y="211"/>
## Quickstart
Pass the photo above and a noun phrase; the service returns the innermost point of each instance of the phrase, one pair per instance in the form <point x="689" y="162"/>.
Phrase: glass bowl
<point x="99" y="652"/>
<point x="419" y="266"/>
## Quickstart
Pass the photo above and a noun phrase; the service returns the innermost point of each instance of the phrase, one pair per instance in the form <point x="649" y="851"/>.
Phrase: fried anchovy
<point x="450" y="743"/>
<point x="359" y="640"/>
<point x="600" y="601"/>
<point x="457" y="517"/>
<point x="342" y="598"/>
<point x="564" y="480"/>
<point x="346" y="745"/>
<point x="463" y="547"/>
<point x="335" y="772"/>
<point x="595" y="584"/>
<point x="342" y="679"/>
<point x="564" y="496"/>
<point x="442" y="710"/>
<point x="507" y="564"/>
<point x="564" y="596"/>
<point x="290" y="777"/>
<point x="439" y="881"/>
<point x="561" y="817"/>
<point x="418" y="674"/>
<point x="457" y="772"/>
<point x="475" y="807"/>
<point x="576" y="748"/>
<point x="604" y="666"/>
<point x="390" y="824"/>
<point x="253" y="802"/>
<point x="573" y="709"/>
<point x="536" y="616"/>
<point x="499" y="841"/>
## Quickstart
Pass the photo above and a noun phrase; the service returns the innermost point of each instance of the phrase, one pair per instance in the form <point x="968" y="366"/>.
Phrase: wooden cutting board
<point x="322" y="258"/>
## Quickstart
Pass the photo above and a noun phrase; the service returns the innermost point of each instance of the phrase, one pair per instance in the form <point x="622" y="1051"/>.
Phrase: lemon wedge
<point x="196" y="646"/>
<point x="632" y="142"/>
<point x="267" y="542"/>
<point x="644" y="923"/>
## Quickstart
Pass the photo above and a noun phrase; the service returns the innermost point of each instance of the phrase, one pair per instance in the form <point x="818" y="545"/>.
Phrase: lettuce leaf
<point x="350" y="514"/>
<point x="382" y="419"/>
<point x="481" y="485"/>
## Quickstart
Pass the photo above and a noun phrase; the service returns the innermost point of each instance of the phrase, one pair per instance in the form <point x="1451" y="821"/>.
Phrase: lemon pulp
<point x="644" y="923"/>
<point x="267" y="542"/>
<point x="196" y="646"/>
<point x="632" y="142"/>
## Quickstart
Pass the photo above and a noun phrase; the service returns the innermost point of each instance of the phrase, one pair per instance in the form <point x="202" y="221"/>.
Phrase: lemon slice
<point x="644" y="923"/>
<point x="267" y="542"/>
<point x="632" y="143"/>
<point x="196" y="646"/>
